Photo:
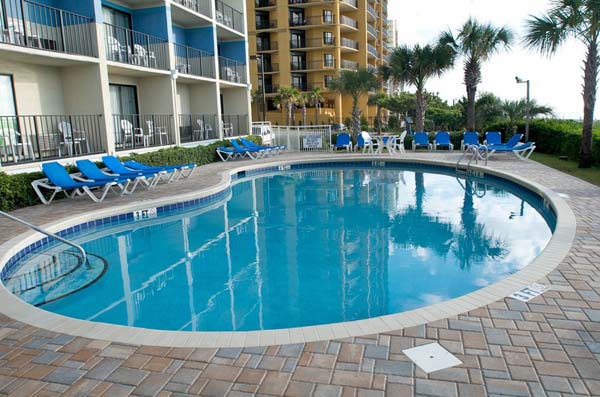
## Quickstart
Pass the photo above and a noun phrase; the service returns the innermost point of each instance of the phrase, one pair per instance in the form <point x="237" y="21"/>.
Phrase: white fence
<point x="303" y="139"/>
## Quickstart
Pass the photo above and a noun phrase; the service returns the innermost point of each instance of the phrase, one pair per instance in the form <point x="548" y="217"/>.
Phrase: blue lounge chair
<point x="91" y="171"/>
<point x="343" y="141"/>
<point x="272" y="149"/>
<point x="229" y="153"/>
<point x="522" y="151"/>
<point x="59" y="180"/>
<point x="469" y="138"/>
<point x="149" y="179"/>
<point x="251" y="153"/>
<point x="492" y="138"/>
<point x="176" y="171"/>
<point x="421" y="139"/>
<point x="442" y="138"/>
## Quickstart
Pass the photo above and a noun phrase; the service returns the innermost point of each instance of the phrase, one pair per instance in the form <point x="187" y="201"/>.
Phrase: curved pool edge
<point x="557" y="248"/>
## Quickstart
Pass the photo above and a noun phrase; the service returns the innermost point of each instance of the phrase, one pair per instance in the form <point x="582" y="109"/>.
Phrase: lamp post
<point x="259" y="58"/>
<point x="528" y="110"/>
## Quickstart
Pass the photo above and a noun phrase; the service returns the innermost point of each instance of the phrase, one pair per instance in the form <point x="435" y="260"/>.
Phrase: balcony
<point x="311" y="43"/>
<point x="372" y="50"/>
<point x="270" y="88"/>
<point x="235" y="125"/>
<point x="135" y="48"/>
<point x="262" y="24"/>
<point x="352" y="23"/>
<point x="372" y="31"/>
<point x="263" y="46"/>
<point x="311" y="21"/>
<point x="197" y="127"/>
<point x="232" y="71"/>
<point x="265" y="3"/>
<point x="351" y="3"/>
<point x="192" y="61"/>
<point x="349" y="65"/>
<point x="313" y="65"/>
<point x="138" y="131"/>
<point x="229" y="16"/>
<point x="371" y="11"/>
<point x="349" y="43"/>
<point x="39" y="138"/>
<point x="268" y="67"/>
<point x="28" y="24"/>
<point x="200" y="6"/>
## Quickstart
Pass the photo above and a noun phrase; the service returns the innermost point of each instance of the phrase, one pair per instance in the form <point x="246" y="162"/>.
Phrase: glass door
<point x="8" y="121"/>
<point x="123" y="102"/>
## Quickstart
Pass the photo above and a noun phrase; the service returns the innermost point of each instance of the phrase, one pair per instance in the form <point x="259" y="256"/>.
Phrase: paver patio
<point x="547" y="347"/>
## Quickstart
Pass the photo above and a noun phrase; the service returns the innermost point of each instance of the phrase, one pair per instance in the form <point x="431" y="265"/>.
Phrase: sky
<point x="555" y="81"/>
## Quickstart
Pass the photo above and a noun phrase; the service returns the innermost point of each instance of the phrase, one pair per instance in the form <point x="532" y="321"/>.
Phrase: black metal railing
<point x="135" y="48"/>
<point x="142" y="130"/>
<point x="197" y="127"/>
<point x="200" y="6"/>
<point x="310" y="21"/>
<point x="312" y="65"/>
<point x="231" y="70"/>
<point x="301" y="65"/>
<point x="268" y="67"/>
<point x="265" y="24"/>
<point x="264" y="45"/>
<point x="311" y="43"/>
<point x="270" y="88"/>
<point x="229" y="16"/>
<point x="190" y="60"/>
<point x="41" y="137"/>
<point x="264" y="3"/>
<point x="29" y="24"/>
<point x="235" y="125"/>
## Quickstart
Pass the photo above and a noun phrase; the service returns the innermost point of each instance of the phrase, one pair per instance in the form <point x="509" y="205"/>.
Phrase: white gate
<point x="315" y="138"/>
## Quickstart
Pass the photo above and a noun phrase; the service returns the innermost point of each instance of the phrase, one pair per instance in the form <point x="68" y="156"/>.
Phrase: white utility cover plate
<point x="432" y="357"/>
<point x="528" y="293"/>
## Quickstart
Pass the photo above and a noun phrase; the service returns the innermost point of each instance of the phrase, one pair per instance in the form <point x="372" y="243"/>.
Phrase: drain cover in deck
<point x="432" y="357"/>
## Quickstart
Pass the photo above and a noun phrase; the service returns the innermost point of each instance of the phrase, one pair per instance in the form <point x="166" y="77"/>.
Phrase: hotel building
<point x="81" y="78"/>
<point x="306" y="43"/>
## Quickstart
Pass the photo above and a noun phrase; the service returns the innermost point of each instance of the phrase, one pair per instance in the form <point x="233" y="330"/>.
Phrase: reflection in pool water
<point x="311" y="247"/>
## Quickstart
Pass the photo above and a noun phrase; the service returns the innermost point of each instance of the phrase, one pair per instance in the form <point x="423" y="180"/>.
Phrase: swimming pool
<point x="304" y="246"/>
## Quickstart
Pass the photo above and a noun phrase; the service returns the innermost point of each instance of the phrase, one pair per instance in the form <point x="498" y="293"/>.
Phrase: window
<point x="262" y="20"/>
<point x="297" y="39"/>
<point x="298" y="61"/>
<point x="328" y="79"/>
<point x="296" y="17"/>
<point x="299" y="81"/>
<point x="263" y="42"/>
<point x="327" y="16"/>
<point x="7" y="99"/>
<point x="328" y="61"/>
<point x="328" y="38"/>
<point x="116" y="17"/>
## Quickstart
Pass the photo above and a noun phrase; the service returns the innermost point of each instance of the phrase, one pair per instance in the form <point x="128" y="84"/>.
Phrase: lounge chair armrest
<point x="45" y="183"/>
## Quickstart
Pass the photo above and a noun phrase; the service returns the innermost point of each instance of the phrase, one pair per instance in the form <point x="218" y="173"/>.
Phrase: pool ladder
<point x="477" y="153"/>
<point x="79" y="248"/>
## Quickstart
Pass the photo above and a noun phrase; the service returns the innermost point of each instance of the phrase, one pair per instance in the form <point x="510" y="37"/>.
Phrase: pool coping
<point x="557" y="248"/>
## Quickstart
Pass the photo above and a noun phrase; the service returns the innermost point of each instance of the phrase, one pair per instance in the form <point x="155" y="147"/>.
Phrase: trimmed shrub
<point x="16" y="191"/>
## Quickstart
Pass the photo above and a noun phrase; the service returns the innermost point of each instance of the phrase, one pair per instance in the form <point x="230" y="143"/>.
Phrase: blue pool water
<point x="310" y="247"/>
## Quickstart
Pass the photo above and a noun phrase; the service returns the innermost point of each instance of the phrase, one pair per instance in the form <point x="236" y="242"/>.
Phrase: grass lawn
<point x="591" y="175"/>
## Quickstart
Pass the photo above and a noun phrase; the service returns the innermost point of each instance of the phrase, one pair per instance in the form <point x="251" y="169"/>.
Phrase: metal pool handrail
<point x="52" y="235"/>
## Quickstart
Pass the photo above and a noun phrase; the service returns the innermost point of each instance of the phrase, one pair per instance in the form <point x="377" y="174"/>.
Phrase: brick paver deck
<point x="547" y="347"/>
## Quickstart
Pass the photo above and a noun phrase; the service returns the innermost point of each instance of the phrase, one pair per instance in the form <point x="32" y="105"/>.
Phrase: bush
<point x="16" y="191"/>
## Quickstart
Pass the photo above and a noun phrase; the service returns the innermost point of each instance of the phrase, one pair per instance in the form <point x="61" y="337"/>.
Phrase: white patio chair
<point x="160" y="131"/>
<point x="227" y="129"/>
<point x="134" y="135"/>
<point x="399" y="143"/>
<point x="142" y="55"/>
<point x="72" y="139"/>
<point x="115" y="49"/>
<point x="15" y="146"/>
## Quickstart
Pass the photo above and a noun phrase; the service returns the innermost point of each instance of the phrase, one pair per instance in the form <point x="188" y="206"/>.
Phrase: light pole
<point x="259" y="58"/>
<point x="528" y="109"/>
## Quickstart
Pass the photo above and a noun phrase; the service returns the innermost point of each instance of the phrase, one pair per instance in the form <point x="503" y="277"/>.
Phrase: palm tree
<point x="303" y="99"/>
<point x="565" y="19"/>
<point x="476" y="43"/>
<point x="315" y="98"/>
<point x="516" y="111"/>
<point x="257" y="97"/>
<point x="378" y="99"/>
<point x="286" y="99"/>
<point x="355" y="84"/>
<point x="414" y="66"/>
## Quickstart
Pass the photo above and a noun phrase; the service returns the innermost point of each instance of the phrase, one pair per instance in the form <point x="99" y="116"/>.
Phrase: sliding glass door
<point x="123" y="101"/>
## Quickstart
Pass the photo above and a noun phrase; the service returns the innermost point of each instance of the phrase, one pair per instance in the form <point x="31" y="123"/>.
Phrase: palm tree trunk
<point x="289" y="115"/>
<point x="378" y="117"/>
<point x="355" y="117"/>
<point x="317" y="113"/>
<point x="472" y="78"/>
<point x="589" y="101"/>
<point x="303" y="113"/>
<point x="420" y="122"/>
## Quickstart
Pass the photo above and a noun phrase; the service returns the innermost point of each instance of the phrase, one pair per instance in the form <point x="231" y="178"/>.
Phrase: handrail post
<point x="23" y="21"/>
<point x="62" y="31"/>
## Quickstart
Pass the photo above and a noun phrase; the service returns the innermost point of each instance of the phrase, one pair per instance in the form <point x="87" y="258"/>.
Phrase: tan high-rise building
<point x="306" y="43"/>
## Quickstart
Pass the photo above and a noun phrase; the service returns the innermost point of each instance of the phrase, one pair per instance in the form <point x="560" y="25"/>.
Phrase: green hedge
<point x="16" y="191"/>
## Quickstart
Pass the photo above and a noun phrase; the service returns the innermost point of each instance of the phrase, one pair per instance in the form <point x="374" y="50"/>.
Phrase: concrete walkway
<point x="547" y="347"/>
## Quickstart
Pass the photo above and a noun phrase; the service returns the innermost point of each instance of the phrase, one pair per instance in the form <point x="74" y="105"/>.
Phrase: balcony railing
<point x="371" y="10"/>
<point x="266" y="45"/>
<point x="39" y="138"/>
<point x="372" y="50"/>
<point x="372" y="30"/>
<point x="28" y="24"/>
<point x="235" y="125"/>
<point x="350" y="2"/>
<point x="313" y="65"/>
<point x="135" y="48"/>
<point x="349" y="43"/>
<point x="200" y="6"/>
<point x="231" y="70"/>
<point x="270" y="88"/>
<point x="197" y="127"/>
<point x="344" y="20"/>
<point x="229" y="16"/>
<point x="262" y="24"/>
<point x="311" y="43"/>
<point x="134" y="131"/>
<point x="268" y="67"/>
<point x="349" y="65"/>
<point x="312" y="21"/>
<point x="264" y="3"/>
<point x="190" y="60"/>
